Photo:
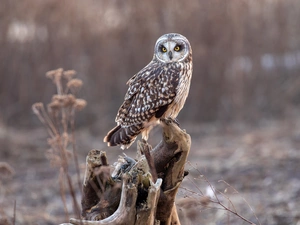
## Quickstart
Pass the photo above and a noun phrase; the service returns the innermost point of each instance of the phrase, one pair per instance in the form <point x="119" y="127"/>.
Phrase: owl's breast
<point x="182" y="92"/>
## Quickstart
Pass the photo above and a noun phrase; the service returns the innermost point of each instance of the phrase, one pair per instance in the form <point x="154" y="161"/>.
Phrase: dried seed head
<point x="54" y="105"/>
<point x="37" y="107"/>
<point x="58" y="75"/>
<point x="69" y="100"/>
<point x="59" y="98"/>
<point x="80" y="104"/>
<point x="59" y="70"/>
<point x="55" y="75"/>
<point x="69" y="74"/>
<point x="74" y="84"/>
<point x="50" y="74"/>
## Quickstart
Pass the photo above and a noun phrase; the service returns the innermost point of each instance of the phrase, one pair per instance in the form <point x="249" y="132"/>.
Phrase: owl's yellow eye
<point x="177" y="48"/>
<point x="163" y="49"/>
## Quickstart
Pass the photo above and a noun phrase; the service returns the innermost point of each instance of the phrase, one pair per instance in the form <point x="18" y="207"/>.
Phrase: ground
<point x="256" y="166"/>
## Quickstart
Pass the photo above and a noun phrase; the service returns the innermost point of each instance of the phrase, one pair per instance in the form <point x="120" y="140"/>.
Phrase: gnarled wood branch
<point x="140" y="191"/>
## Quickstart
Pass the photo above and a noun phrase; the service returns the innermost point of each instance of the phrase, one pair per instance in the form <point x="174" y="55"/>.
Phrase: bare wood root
<point x="101" y="194"/>
<point x="170" y="156"/>
<point x="126" y="210"/>
<point x="139" y="191"/>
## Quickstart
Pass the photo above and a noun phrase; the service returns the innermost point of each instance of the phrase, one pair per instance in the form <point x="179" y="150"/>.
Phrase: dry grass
<point x="212" y="198"/>
<point x="246" y="54"/>
<point x="260" y="162"/>
<point x="59" y="120"/>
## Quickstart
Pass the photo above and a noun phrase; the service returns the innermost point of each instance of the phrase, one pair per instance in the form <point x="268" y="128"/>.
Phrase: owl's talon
<point x="144" y="141"/>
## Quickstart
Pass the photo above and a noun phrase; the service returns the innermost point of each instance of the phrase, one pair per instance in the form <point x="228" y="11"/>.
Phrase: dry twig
<point x="215" y="199"/>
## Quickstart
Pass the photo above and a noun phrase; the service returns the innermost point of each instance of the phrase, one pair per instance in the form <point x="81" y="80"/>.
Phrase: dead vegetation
<point x="261" y="163"/>
<point x="246" y="54"/>
<point x="59" y="120"/>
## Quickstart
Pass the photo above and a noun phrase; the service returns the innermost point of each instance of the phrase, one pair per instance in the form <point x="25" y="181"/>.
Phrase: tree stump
<point x="140" y="191"/>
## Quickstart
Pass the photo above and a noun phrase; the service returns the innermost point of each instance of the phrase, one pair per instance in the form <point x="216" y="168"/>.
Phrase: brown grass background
<point x="246" y="57"/>
<point x="107" y="42"/>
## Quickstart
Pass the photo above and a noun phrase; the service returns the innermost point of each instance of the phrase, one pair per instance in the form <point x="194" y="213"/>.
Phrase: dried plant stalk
<point x="59" y="120"/>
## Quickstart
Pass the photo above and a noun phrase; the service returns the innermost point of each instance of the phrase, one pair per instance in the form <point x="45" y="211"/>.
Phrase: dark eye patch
<point x="162" y="48"/>
<point x="178" y="47"/>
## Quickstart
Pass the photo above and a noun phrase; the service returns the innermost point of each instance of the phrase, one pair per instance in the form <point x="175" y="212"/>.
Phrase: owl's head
<point x="172" y="48"/>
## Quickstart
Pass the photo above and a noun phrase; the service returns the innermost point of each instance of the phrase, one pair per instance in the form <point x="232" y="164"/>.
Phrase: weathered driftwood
<point x="140" y="191"/>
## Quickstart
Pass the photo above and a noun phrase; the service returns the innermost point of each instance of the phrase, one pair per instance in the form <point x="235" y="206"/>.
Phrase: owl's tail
<point x="123" y="136"/>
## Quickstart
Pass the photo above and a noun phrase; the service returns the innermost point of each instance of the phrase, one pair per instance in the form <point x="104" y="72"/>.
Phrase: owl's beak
<point x="170" y="55"/>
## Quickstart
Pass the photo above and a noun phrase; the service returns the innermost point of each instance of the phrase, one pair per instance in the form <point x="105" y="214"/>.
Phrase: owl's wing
<point x="150" y="92"/>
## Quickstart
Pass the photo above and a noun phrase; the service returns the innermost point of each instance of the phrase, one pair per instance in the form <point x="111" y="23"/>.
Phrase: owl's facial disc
<point x="171" y="48"/>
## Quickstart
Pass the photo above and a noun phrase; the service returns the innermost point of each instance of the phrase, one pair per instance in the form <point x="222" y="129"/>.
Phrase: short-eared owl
<point x="158" y="91"/>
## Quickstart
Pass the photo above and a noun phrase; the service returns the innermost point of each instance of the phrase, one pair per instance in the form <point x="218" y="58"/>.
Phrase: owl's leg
<point x="145" y="135"/>
<point x="170" y="120"/>
<point x="176" y="121"/>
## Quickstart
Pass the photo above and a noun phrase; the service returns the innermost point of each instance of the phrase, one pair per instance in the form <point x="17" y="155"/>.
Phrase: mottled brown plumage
<point x="158" y="91"/>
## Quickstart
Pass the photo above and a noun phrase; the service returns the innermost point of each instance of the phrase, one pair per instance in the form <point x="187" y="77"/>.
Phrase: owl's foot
<point x="144" y="140"/>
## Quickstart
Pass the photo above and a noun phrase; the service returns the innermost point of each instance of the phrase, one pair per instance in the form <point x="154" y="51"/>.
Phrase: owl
<point x="158" y="91"/>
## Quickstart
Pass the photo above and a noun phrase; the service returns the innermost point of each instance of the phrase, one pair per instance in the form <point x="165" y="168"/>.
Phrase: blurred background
<point x="246" y="56"/>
